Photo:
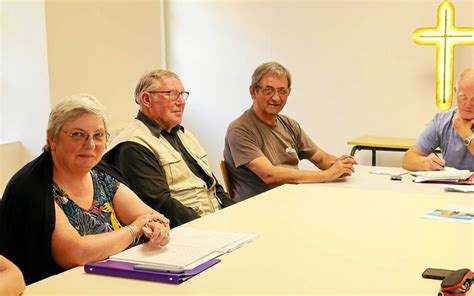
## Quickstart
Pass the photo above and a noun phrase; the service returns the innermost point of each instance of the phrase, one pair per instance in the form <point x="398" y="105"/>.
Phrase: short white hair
<point x="69" y="109"/>
<point x="468" y="72"/>
<point x="148" y="79"/>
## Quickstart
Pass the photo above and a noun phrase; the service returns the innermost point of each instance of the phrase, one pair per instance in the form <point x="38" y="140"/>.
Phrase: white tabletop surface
<point x="365" y="178"/>
<point x="316" y="240"/>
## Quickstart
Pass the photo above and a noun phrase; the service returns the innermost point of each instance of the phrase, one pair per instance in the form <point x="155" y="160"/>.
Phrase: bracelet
<point x="133" y="231"/>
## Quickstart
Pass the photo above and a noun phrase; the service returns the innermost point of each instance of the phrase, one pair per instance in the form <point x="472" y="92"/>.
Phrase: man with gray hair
<point x="263" y="148"/>
<point x="451" y="131"/>
<point x="163" y="162"/>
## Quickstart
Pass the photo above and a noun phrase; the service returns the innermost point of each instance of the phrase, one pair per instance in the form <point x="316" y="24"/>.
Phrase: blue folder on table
<point x="126" y="270"/>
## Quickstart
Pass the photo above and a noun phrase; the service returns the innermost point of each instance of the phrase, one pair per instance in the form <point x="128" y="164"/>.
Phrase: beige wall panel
<point x="102" y="48"/>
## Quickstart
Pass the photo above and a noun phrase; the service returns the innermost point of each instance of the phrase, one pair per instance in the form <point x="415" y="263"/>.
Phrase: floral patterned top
<point x="100" y="217"/>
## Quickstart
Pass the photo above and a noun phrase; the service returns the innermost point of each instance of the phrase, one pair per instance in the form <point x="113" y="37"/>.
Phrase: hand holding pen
<point x="434" y="161"/>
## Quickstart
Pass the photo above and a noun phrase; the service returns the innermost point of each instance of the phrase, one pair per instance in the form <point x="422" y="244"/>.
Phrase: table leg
<point x="374" y="157"/>
<point x="353" y="150"/>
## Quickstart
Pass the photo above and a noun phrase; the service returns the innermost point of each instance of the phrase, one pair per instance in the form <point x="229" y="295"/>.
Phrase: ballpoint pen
<point x="436" y="154"/>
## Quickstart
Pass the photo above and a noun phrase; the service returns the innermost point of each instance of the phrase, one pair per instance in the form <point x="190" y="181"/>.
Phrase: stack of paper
<point x="459" y="188"/>
<point x="448" y="174"/>
<point x="188" y="248"/>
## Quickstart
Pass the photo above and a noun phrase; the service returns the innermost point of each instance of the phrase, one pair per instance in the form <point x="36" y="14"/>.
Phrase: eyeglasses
<point x="463" y="98"/>
<point x="83" y="137"/>
<point x="270" y="91"/>
<point x="173" y="95"/>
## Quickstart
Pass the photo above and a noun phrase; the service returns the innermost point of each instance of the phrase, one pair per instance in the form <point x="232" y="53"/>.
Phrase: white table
<point x="315" y="240"/>
<point x="364" y="179"/>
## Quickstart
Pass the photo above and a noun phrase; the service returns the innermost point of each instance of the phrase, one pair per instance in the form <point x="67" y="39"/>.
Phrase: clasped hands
<point x="155" y="227"/>
<point x="342" y="166"/>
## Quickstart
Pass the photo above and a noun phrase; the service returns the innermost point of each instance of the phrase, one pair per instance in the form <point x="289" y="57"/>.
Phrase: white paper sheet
<point x="188" y="248"/>
<point x="459" y="188"/>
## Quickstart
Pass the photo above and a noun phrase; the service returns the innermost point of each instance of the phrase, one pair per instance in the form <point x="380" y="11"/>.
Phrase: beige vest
<point x="184" y="186"/>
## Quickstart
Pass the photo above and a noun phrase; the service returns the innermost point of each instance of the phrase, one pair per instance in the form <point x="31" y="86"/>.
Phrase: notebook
<point x="446" y="175"/>
<point x="127" y="270"/>
<point x="187" y="249"/>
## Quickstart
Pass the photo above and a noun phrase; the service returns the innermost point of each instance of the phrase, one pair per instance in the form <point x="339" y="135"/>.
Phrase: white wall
<point x="24" y="85"/>
<point x="355" y="68"/>
<point x="24" y="74"/>
<point x="13" y="156"/>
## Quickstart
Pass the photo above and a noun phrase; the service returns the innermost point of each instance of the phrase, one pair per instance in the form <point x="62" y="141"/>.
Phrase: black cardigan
<point x="28" y="218"/>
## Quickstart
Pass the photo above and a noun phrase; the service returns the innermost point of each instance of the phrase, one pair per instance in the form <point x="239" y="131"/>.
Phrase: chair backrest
<point x="227" y="182"/>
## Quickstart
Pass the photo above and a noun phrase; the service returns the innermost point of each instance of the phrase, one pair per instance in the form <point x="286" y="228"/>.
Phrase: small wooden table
<point x="375" y="143"/>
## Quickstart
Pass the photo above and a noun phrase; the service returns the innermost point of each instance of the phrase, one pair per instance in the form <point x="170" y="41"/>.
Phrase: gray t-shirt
<point x="440" y="133"/>
<point x="248" y="138"/>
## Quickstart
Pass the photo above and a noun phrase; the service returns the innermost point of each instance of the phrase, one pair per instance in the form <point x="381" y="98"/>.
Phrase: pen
<point x="436" y="154"/>
<point x="160" y="267"/>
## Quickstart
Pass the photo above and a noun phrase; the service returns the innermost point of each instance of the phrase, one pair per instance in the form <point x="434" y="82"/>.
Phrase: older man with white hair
<point x="451" y="131"/>
<point x="164" y="163"/>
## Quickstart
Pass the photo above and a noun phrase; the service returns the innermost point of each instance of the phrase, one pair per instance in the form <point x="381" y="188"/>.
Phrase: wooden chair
<point x="225" y="176"/>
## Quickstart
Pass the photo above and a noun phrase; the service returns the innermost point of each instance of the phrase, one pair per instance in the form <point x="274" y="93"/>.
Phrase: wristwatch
<point x="468" y="140"/>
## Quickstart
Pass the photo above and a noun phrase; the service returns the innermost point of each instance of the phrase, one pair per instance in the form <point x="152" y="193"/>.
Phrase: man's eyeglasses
<point x="463" y="99"/>
<point x="173" y="95"/>
<point x="270" y="91"/>
<point x="82" y="137"/>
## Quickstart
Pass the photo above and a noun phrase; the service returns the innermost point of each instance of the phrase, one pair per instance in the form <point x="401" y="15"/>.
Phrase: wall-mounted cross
<point x="445" y="36"/>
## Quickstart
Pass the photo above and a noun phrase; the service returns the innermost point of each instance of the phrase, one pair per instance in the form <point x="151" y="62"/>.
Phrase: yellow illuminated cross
<point x="445" y="36"/>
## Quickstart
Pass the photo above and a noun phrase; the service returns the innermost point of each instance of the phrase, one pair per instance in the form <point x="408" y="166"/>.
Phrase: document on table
<point x="390" y="172"/>
<point x="187" y="249"/>
<point x="459" y="188"/>
<point x="443" y="175"/>
<point x="453" y="212"/>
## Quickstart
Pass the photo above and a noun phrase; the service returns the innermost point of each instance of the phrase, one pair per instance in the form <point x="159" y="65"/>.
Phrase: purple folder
<point x="125" y="269"/>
